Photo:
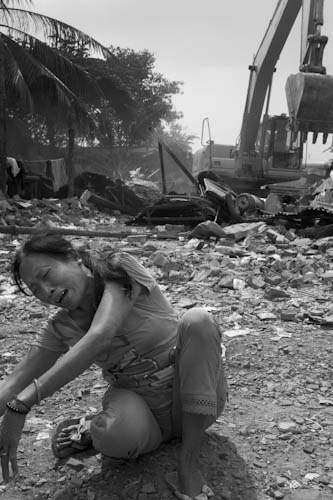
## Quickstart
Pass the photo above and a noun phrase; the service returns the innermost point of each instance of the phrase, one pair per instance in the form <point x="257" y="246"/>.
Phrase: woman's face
<point x="55" y="281"/>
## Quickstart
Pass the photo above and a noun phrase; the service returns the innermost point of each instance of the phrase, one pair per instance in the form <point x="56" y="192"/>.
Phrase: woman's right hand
<point x="10" y="434"/>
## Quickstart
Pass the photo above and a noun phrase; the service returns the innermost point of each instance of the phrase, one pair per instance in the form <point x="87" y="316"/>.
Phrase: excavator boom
<point x="262" y="69"/>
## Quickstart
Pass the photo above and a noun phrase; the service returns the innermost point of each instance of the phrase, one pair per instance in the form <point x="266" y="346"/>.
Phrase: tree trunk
<point x="3" y="152"/>
<point x="70" y="165"/>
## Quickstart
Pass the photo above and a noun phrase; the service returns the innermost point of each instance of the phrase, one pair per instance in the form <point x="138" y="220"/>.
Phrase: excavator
<point x="270" y="148"/>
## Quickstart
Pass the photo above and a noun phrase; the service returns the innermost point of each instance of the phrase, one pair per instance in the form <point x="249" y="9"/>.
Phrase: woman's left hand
<point x="10" y="434"/>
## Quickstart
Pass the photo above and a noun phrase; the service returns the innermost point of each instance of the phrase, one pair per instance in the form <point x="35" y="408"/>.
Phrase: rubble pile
<point x="67" y="212"/>
<point x="270" y="291"/>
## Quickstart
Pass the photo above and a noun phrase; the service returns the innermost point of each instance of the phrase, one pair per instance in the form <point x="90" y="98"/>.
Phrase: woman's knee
<point x="126" y="427"/>
<point x="199" y="323"/>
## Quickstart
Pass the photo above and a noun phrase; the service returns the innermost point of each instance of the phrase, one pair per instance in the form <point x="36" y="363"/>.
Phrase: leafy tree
<point x="55" y="81"/>
<point x="39" y="78"/>
<point x="152" y="94"/>
<point x="176" y="138"/>
<point x="122" y="123"/>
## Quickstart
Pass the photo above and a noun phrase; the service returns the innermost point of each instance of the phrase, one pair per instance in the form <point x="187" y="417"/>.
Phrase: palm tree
<point x="38" y="77"/>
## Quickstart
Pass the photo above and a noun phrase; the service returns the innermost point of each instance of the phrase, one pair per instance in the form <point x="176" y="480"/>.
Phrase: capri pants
<point x="127" y="427"/>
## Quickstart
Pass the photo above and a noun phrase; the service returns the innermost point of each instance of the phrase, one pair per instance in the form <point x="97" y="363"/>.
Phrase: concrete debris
<point x="268" y="288"/>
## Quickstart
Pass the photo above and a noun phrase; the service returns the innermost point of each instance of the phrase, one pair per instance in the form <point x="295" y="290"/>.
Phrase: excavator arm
<point x="262" y="69"/>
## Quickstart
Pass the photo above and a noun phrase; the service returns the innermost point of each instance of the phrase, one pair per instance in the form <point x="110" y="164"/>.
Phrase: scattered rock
<point x="148" y="488"/>
<point x="270" y="301"/>
<point x="303" y="494"/>
<point x="75" y="464"/>
<point x="287" y="427"/>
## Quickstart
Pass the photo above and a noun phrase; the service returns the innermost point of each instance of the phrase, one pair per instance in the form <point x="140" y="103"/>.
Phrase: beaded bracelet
<point x="18" y="406"/>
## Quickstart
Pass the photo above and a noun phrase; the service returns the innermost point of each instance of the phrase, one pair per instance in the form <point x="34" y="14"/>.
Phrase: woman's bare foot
<point x="71" y="436"/>
<point x="190" y="480"/>
<point x="64" y="438"/>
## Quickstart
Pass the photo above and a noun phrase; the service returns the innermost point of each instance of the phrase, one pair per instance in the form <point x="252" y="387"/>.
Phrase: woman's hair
<point x="55" y="245"/>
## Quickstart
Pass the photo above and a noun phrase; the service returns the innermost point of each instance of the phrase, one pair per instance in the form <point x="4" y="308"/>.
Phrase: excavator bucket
<point x="310" y="103"/>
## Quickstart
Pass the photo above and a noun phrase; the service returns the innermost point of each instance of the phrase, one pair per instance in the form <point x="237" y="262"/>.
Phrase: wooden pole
<point x="15" y="230"/>
<point x="70" y="164"/>
<point x="160" y="150"/>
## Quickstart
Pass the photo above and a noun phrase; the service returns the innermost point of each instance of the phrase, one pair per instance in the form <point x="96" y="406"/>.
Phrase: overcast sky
<point x="206" y="44"/>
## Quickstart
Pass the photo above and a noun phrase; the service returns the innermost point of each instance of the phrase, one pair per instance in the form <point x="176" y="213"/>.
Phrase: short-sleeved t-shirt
<point x="143" y="345"/>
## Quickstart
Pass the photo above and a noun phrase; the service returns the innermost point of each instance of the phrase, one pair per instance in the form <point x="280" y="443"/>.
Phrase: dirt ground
<point x="274" y="439"/>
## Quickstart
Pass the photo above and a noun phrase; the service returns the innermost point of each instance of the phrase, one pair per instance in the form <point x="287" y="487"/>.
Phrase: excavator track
<point x="305" y="218"/>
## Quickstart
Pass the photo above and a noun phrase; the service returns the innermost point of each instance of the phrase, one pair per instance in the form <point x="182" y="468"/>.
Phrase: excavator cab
<point x="310" y="92"/>
<point x="281" y="149"/>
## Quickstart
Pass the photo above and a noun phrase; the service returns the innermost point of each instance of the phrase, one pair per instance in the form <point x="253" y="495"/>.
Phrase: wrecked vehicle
<point x="211" y="201"/>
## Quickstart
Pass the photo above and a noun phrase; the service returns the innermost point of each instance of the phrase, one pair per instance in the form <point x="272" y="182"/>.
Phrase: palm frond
<point x="30" y="21"/>
<point x="14" y="79"/>
<point x="7" y="4"/>
<point x="73" y="75"/>
<point x="44" y="85"/>
<point x="3" y="6"/>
